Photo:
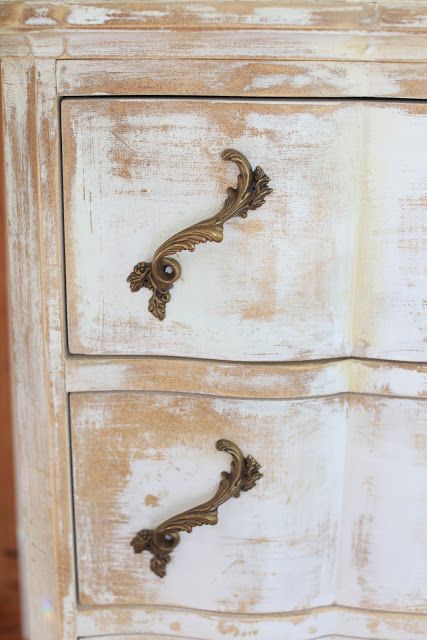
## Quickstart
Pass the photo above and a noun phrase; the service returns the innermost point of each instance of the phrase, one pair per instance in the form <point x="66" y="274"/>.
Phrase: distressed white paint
<point x="247" y="44"/>
<point x="307" y="625"/>
<point x="248" y="49"/>
<point x="290" y="630"/>
<point x="274" y="549"/>
<point x="382" y="561"/>
<point x="341" y="502"/>
<point x="40" y="402"/>
<point x="332" y="265"/>
<point x="389" y="310"/>
<point x="281" y="380"/>
<point x="240" y="78"/>
<point x="277" y="287"/>
<point x="339" y="15"/>
<point x="271" y="44"/>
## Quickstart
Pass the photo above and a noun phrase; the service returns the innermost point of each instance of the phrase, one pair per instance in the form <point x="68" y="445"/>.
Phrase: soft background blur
<point x="9" y="610"/>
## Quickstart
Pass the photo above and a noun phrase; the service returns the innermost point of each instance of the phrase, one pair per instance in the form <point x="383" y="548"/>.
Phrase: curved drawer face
<point x="332" y="264"/>
<point x="340" y="504"/>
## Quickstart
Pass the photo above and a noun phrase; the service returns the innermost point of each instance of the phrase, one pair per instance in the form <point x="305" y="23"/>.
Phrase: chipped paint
<point x="366" y="552"/>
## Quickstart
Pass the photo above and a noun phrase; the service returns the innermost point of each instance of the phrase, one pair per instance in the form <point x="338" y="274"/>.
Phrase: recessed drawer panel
<point x="332" y="263"/>
<point x="340" y="502"/>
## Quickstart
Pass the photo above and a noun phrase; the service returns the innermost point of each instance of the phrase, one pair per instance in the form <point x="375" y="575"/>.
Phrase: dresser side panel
<point x="40" y="411"/>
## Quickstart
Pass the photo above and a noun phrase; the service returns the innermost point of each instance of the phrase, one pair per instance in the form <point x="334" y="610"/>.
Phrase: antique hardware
<point x="163" y="540"/>
<point x="160" y="274"/>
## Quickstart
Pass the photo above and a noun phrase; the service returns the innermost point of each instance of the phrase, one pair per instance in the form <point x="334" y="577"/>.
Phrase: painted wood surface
<point x="162" y="637"/>
<point x="249" y="380"/>
<point x="156" y="637"/>
<point x="302" y="30"/>
<point x="332" y="265"/>
<point x="330" y="79"/>
<point x="340" y="15"/>
<point x="250" y="44"/>
<point x="9" y="584"/>
<point x="307" y="625"/>
<point x="38" y="337"/>
<point x="247" y="49"/>
<point x="158" y="458"/>
<point x="223" y="634"/>
<point x="326" y="524"/>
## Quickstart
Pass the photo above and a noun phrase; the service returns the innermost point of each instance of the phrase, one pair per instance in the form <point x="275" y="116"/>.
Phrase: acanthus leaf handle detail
<point x="163" y="271"/>
<point x="160" y="542"/>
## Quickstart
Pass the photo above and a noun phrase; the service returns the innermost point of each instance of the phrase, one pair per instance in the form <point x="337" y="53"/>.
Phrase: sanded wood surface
<point x="9" y="599"/>
<point x="358" y="563"/>
<point x="338" y="473"/>
<point x="340" y="15"/>
<point x="32" y="203"/>
<point x="333" y="623"/>
<point x="249" y="380"/>
<point x="332" y="265"/>
<point x="242" y="78"/>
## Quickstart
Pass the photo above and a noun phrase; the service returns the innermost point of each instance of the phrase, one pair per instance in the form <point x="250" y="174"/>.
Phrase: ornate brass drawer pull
<point x="163" y="540"/>
<point x="160" y="274"/>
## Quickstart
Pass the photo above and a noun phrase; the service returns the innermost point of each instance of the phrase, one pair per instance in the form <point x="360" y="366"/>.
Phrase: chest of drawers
<point x="217" y="246"/>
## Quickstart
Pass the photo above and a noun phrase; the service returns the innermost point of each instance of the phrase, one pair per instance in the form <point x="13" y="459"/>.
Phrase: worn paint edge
<point x="268" y="381"/>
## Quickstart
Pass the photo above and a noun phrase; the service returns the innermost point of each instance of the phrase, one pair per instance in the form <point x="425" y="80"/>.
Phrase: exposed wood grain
<point x="256" y="278"/>
<point x="242" y="78"/>
<point x="9" y="588"/>
<point x="164" y="446"/>
<point x="31" y="146"/>
<point x="217" y="44"/>
<point x="332" y="265"/>
<point x="331" y="30"/>
<point x="54" y="344"/>
<point x="229" y="14"/>
<point x="272" y="380"/>
<point x="314" y="625"/>
<point x="356" y="463"/>
<point x="18" y="90"/>
<point x="241" y="45"/>
<point x="339" y="476"/>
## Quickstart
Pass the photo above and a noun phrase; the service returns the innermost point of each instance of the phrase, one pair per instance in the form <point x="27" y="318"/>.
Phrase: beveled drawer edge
<point x="247" y="380"/>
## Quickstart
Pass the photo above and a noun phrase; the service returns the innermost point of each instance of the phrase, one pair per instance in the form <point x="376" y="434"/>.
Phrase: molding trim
<point x="321" y="622"/>
<point x="247" y="380"/>
<point x="337" y="15"/>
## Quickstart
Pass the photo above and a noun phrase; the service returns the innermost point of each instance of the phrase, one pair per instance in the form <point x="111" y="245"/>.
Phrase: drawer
<point x="331" y="265"/>
<point x="341" y="500"/>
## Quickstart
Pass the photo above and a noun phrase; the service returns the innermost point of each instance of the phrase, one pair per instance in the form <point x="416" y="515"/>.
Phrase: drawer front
<point x="332" y="264"/>
<point x="340" y="503"/>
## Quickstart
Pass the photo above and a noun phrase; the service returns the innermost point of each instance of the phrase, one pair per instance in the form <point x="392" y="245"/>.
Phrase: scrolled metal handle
<point x="162" y="272"/>
<point x="244" y="474"/>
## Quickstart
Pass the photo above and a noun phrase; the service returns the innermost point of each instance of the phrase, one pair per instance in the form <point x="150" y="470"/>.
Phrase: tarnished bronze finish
<point x="160" y="274"/>
<point x="163" y="540"/>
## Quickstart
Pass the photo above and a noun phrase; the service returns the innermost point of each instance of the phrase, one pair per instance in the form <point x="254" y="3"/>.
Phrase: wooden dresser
<point x="217" y="224"/>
